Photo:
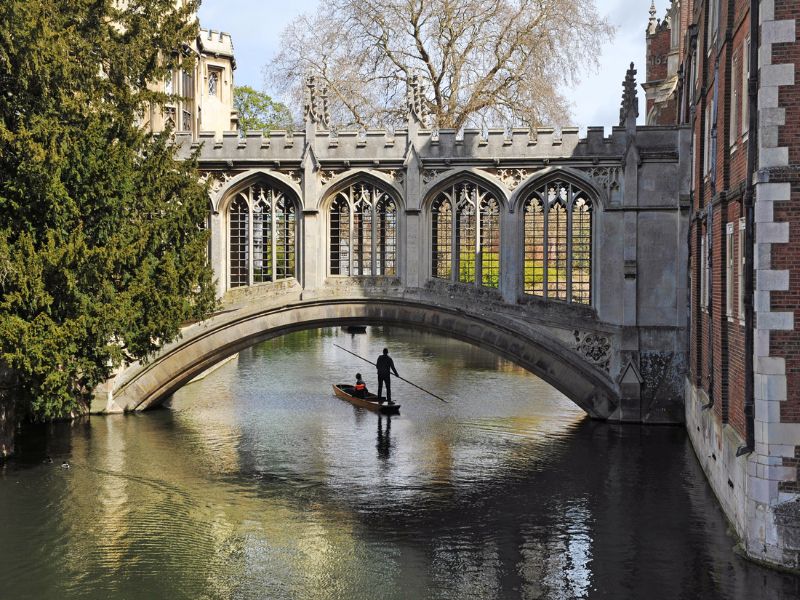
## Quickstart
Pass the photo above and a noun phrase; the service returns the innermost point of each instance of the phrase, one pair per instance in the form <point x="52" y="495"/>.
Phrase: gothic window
<point x="213" y="82"/>
<point x="238" y="239"/>
<point x="262" y="223"/>
<point x="363" y="232"/>
<point x="558" y="243"/>
<point x="465" y="235"/>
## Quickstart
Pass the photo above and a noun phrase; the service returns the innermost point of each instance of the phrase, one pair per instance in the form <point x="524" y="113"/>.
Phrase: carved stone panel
<point x="595" y="348"/>
<point x="511" y="178"/>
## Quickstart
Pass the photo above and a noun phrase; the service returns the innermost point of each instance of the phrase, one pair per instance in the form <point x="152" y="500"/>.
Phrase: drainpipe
<point x="749" y="236"/>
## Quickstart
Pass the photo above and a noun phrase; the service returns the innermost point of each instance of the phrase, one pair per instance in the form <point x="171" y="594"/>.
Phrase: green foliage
<point x="102" y="246"/>
<point x="258" y="111"/>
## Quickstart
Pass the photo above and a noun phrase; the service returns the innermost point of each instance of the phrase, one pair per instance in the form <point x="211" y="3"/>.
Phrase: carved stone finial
<point x="316" y="107"/>
<point x="416" y="100"/>
<point x="630" y="100"/>
<point x="652" y="24"/>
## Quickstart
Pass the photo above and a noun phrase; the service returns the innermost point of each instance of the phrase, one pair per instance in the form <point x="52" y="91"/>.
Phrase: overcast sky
<point x="256" y="26"/>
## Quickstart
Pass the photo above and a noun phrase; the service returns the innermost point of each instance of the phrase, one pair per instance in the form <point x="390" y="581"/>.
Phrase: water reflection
<point x="259" y="483"/>
<point x="384" y="443"/>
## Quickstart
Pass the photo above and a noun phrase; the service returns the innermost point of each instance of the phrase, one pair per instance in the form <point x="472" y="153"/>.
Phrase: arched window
<point x="558" y="243"/>
<point x="467" y="250"/>
<point x="262" y="224"/>
<point x="363" y="231"/>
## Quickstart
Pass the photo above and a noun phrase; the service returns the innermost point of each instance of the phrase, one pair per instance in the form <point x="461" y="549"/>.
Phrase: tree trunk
<point x="8" y="424"/>
<point x="8" y="413"/>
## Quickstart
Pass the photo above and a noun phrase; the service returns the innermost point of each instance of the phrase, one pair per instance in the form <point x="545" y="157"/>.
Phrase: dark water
<point x="258" y="483"/>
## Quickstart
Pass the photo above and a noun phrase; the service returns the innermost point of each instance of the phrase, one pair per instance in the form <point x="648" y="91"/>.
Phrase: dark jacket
<point x="384" y="363"/>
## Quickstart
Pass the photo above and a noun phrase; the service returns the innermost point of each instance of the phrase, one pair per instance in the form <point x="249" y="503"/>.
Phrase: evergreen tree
<point x="102" y="244"/>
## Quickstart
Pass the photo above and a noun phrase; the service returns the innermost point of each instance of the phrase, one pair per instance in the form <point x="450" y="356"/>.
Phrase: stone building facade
<point x="730" y="75"/>
<point x="203" y="93"/>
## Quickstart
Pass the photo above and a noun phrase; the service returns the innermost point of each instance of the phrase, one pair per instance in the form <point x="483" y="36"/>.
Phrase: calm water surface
<point x="257" y="483"/>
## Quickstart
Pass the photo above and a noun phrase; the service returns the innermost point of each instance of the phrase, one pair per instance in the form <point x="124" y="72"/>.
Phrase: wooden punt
<point x="371" y="402"/>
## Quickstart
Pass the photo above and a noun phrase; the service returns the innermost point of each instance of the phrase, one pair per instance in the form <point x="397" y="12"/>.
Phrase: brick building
<point x="727" y="70"/>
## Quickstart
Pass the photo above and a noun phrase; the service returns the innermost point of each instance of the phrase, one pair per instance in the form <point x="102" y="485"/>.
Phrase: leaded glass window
<point x="363" y="232"/>
<point x="262" y="225"/>
<point x="465" y="235"/>
<point x="239" y="243"/>
<point x="213" y="82"/>
<point x="558" y="243"/>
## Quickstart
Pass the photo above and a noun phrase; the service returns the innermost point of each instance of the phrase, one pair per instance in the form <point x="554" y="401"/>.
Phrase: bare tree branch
<point x="481" y="61"/>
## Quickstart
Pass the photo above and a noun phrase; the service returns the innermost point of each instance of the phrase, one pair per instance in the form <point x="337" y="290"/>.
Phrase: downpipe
<point x="749" y="237"/>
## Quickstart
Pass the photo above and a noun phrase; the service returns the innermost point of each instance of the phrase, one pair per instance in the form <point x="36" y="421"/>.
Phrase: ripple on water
<point x="258" y="483"/>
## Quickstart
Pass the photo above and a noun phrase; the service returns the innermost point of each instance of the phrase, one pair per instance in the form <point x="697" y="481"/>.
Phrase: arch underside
<point x="207" y="343"/>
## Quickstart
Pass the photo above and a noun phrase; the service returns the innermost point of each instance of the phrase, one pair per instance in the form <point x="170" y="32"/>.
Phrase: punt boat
<point x="370" y="402"/>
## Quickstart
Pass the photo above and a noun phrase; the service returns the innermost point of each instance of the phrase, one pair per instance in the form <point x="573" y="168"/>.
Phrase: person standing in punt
<point x="385" y="367"/>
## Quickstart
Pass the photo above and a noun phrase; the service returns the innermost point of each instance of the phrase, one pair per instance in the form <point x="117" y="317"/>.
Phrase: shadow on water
<point x="257" y="482"/>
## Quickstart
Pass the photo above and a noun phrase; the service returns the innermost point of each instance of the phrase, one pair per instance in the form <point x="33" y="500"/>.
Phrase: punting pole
<point x="398" y="376"/>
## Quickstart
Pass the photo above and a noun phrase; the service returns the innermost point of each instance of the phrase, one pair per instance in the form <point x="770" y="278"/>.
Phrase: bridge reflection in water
<point x="259" y="483"/>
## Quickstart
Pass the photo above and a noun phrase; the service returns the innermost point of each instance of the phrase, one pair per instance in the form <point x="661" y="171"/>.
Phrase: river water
<point x="256" y="482"/>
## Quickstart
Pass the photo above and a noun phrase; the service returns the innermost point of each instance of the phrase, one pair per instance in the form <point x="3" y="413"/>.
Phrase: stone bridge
<point x="565" y="254"/>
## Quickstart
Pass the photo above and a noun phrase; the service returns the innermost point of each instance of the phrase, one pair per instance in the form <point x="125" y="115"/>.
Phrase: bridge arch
<point x="144" y="386"/>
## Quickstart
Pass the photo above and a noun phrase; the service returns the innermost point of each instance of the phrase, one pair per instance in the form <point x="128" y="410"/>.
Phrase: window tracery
<point x="558" y="243"/>
<point x="363" y="232"/>
<point x="262" y="224"/>
<point x="465" y="235"/>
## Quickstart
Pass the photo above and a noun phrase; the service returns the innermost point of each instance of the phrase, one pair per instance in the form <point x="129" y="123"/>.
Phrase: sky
<point x="256" y="27"/>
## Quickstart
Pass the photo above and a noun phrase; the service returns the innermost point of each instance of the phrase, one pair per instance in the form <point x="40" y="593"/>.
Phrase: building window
<point x="741" y="266"/>
<point x="169" y="87"/>
<point x="745" y="86"/>
<point x="262" y="224"/>
<point x="442" y="239"/>
<point x="187" y="120"/>
<point x="713" y="24"/>
<point x="707" y="148"/>
<point x="239" y="242"/>
<point x="213" y="82"/>
<point x="363" y="232"/>
<point x="729" y="267"/>
<point x="703" y="273"/>
<point x="733" y="132"/>
<point x="465" y="235"/>
<point x="558" y="243"/>
<point x="187" y="90"/>
<point x="274" y="226"/>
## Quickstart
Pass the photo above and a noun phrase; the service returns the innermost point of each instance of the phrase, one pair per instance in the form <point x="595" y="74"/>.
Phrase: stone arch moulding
<point x="471" y="174"/>
<point x="243" y="180"/>
<point x="549" y="174"/>
<point x="204" y="344"/>
<point x="341" y="180"/>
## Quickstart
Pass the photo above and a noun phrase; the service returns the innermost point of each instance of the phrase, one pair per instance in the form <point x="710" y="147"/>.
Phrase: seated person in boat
<point x="360" y="387"/>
